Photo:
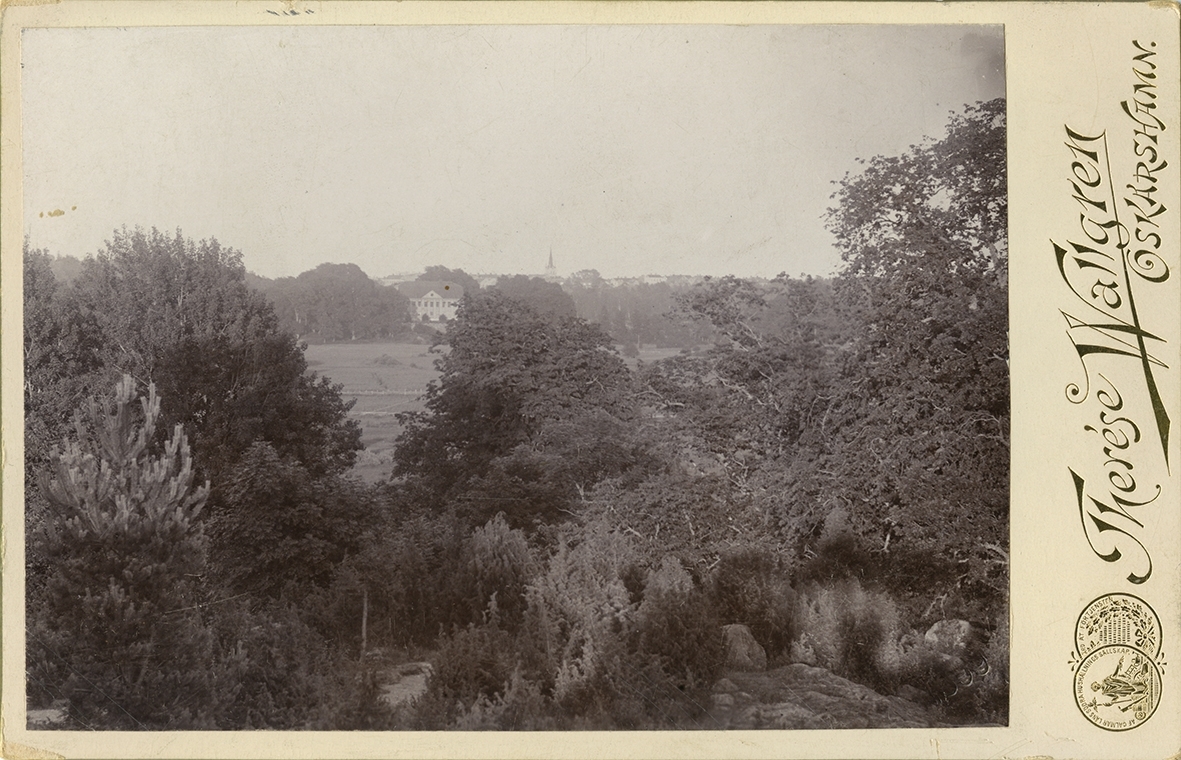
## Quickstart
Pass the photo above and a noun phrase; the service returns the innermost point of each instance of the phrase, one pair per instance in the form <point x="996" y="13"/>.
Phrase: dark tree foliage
<point x="511" y="380"/>
<point x="178" y="313"/>
<point x="282" y="529"/>
<point x="882" y="393"/>
<point x="335" y="302"/>
<point x="920" y="415"/>
<point x="751" y="398"/>
<point x="234" y="394"/>
<point x="546" y="298"/>
<point x="148" y="291"/>
<point x="116" y="630"/>
<point x="62" y="346"/>
<point x="437" y="273"/>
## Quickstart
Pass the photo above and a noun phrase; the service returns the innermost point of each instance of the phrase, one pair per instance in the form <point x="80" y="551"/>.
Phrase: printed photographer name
<point x="1115" y="255"/>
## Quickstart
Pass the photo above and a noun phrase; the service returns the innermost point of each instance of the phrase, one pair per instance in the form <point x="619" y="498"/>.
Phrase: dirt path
<point x="405" y="683"/>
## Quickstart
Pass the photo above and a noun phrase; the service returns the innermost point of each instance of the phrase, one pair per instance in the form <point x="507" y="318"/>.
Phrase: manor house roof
<point x="419" y="288"/>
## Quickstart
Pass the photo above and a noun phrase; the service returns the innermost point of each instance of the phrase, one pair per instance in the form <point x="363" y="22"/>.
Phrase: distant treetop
<point x="443" y="274"/>
<point x="419" y="288"/>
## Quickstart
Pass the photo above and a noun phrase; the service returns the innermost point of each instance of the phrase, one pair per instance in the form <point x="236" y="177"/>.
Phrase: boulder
<point x="949" y="637"/>
<point x="742" y="651"/>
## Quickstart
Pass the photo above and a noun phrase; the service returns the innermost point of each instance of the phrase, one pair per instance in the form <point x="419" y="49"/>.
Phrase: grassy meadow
<point x="384" y="379"/>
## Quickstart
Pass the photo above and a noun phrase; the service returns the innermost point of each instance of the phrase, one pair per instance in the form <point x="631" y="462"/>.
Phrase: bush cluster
<point x="847" y="629"/>
<point x="857" y="632"/>
<point x="751" y="586"/>
<point x="588" y="652"/>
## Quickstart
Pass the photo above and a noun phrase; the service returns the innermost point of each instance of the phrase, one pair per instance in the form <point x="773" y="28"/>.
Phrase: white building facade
<point x="433" y="301"/>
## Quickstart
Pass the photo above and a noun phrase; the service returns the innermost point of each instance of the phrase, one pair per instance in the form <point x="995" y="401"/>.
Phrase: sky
<point x="628" y="149"/>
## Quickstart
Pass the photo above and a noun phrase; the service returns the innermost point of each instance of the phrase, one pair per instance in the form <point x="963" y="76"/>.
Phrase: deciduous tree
<point x="919" y="425"/>
<point x="509" y="376"/>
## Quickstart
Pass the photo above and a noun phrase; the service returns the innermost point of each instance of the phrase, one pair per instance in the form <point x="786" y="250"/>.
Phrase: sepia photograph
<point x="516" y="378"/>
<point x="581" y="380"/>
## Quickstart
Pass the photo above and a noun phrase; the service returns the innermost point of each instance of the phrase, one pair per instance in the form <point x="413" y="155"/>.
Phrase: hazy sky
<point x="627" y="149"/>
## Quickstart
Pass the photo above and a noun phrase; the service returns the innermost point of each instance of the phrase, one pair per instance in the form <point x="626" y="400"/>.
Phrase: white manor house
<point x="433" y="300"/>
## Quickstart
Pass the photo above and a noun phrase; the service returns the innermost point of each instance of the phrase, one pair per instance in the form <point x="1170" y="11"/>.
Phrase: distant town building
<point x="432" y="299"/>
<point x="394" y="279"/>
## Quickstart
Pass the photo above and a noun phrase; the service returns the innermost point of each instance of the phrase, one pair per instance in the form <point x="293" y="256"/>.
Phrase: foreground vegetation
<point x="561" y="533"/>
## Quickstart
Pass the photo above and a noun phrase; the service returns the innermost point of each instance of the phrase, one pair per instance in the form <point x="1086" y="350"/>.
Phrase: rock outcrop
<point x="742" y="651"/>
<point x="802" y="697"/>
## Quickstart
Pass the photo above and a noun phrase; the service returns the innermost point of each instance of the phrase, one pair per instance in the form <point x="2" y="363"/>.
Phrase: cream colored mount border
<point x="1067" y="64"/>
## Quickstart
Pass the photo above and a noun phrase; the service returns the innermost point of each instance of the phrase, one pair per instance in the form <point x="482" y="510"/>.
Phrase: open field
<point x="385" y="379"/>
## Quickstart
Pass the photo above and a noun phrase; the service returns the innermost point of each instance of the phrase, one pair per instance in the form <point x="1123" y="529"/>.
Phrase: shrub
<point x="502" y="566"/>
<point x="356" y="703"/>
<point x="849" y="630"/>
<point x="992" y="698"/>
<point x="678" y="629"/>
<point x="282" y="530"/>
<point x="911" y="662"/>
<point x="419" y="579"/>
<point x="969" y="686"/>
<point x="474" y="663"/>
<point x="580" y="613"/>
<point x="750" y="586"/>
<point x="520" y="706"/>
<point x="270" y="668"/>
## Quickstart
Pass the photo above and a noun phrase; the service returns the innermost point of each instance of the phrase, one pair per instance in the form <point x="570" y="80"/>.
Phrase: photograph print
<point x="515" y="378"/>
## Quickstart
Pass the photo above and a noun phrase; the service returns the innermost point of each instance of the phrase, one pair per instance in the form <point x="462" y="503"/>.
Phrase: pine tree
<point x="118" y="631"/>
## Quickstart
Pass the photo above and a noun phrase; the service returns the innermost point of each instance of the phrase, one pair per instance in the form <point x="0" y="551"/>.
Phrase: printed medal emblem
<point x="1117" y="683"/>
<point x="1118" y="619"/>
<point x="1117" y="687"/>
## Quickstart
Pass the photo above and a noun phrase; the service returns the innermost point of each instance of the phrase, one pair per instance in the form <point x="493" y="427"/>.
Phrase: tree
<point x="282" y="529"/>
<point x="147" y="292"/>
<point x="62" y="347"/>
<point x="234" y="394"/>
<point x="336" y="302"/>
<point x="751" y="397"/>
<point x="510" y="380"/>
<point x="177" y="313"/>
<point x="437" y="273"/>
<point x="117" y="629"/>
<point x="635" y="312"/>
<point x="919" y="422"/>
<point x="546" y="298"/>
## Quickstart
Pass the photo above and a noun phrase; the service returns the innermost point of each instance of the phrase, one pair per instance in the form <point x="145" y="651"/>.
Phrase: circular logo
<point x="1118" y="619"/>
<point x="1117" y="687"/>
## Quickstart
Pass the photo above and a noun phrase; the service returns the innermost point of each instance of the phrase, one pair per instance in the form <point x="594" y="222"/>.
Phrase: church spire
<point x="550" y="269"/>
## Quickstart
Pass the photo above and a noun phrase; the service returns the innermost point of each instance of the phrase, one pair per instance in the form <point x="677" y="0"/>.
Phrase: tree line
<point x="562" y="535"/>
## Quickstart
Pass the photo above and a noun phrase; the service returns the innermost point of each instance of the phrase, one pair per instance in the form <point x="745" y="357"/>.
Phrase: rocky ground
<point x="791" y="697"/>
<point x="802" y="697"/>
